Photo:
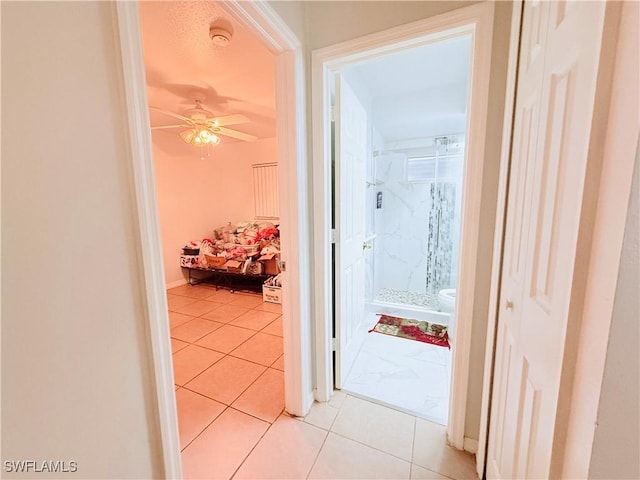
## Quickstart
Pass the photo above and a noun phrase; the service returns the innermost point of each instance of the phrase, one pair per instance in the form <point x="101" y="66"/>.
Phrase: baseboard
<point x="470" y="445"/>
<point x="177" y="283"/>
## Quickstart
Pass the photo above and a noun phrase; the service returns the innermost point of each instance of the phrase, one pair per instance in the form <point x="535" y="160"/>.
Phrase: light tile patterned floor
<point x="230" y="396"/>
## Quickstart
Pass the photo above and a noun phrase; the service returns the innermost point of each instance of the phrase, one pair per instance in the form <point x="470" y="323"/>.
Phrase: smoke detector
<point x="220" y="36"/>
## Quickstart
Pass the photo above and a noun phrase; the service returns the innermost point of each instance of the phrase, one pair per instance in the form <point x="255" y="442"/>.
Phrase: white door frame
<point x="478" y="21"/>
<point x="268" y="27"/>
<point x="498" y="238"/>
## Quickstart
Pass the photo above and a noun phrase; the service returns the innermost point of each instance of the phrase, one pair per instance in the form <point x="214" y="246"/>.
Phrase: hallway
<point x="230" y="395"/>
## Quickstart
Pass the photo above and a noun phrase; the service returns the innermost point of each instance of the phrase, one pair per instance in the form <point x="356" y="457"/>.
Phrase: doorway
<point x="474" y="23"/>
<point x="415" y="105"/>
<point x="280" y="40"/>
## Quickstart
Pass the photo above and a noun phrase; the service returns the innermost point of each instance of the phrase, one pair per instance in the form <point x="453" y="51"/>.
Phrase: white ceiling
<point x="181" y="59"/>
<point x="417" y="93"/>
<point x="412" y="94"/>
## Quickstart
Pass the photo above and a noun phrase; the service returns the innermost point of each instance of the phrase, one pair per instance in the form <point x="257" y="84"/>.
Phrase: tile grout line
<point x="200" y="314"/>
<point x="248" y="387"/>
<point x="324" y="441"/>
<point x="199" y="338"/>
<point x="217" y="361"/>
<point x="220" y="304"/>
<point x="226" y="407"/>
<point x="413" y="440"/>
<point x="413" y="444"/>
<point x="397" y="408"/>
<point x="213" y="331"/>
<point x="250" y="451"/>
<point x="257" y="418"/>
<point x="267" y="367"/>
<point x="234" y="348"/>
<point x="224" y="355"/>
<point x="315" y="460"/>
<point x="213" y="290"/>
<point x="230" y="406"/>
<point x="369" y="446"/>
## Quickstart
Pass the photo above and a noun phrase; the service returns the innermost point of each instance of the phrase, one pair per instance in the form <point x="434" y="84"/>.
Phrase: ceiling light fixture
<point x="220" y="36"/>
<point x="200" y="137"/>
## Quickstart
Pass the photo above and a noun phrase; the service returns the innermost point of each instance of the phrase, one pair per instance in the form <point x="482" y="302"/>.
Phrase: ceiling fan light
<point x="214" y="139"/>
<point x="188" y="135"/>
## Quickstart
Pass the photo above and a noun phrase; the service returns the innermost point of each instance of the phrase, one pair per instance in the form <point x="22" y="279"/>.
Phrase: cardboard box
<point x="214" y="261"/>
<point x="272" y="294"/>
<point x="271" y="263"/>
<point x="189" y="261"/>
<point x="234" y="266"/>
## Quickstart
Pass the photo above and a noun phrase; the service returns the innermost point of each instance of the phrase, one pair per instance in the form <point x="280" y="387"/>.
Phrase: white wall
<point x="293" y="13"/>
<point x="196" y="195"/>
<point x="616" y="442"/>
<point x="329" y="23"/>
<point x="76" y="362"/>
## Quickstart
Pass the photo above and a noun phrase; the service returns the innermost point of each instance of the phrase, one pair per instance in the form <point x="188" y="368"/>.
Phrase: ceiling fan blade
<point x="230" y="120"/>
<point x="236" y="134"/>
<point x="160" y="127"/>
<point x="171" y="114"/>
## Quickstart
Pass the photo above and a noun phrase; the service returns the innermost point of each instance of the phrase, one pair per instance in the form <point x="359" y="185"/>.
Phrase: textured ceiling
<point x="180" y="60"/>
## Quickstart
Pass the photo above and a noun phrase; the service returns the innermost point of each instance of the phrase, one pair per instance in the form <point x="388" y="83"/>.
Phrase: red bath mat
<point x="413" y="330"/>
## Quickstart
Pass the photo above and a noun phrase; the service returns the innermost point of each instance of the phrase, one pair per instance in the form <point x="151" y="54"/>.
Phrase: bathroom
<point x="416" y="103"/>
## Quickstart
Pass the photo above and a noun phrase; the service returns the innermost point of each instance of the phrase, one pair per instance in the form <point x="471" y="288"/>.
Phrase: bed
<point x="238" y="256"/>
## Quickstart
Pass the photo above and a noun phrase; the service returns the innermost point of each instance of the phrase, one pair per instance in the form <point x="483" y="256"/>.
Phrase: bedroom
<point x="201" y="187"/>
<point x="202" y="69"/>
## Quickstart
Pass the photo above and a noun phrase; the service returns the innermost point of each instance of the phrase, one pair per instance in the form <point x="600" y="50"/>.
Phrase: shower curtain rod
<point x="430" y="155"/>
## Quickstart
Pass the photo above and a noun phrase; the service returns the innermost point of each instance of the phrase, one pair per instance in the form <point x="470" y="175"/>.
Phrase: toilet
<point x="447" y="299"/>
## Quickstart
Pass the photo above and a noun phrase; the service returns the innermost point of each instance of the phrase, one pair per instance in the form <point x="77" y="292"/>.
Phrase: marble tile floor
<point x="230" y="396"/>
<point x="409" y="375"/>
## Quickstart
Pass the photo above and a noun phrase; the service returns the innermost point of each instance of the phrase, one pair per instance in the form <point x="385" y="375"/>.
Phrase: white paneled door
<point x="558" y="69"/>
<point x="350" y="195"/>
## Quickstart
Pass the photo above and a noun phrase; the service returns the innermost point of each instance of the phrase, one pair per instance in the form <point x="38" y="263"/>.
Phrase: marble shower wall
<point x="402" y="228"/>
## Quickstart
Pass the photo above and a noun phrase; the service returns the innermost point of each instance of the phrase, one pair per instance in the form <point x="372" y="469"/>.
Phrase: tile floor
<point x="412" y="376"/>
<point x="229" y="374"/>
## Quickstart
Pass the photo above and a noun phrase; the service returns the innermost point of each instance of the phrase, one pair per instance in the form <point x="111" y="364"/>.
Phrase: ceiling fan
<point x="201" y="128"/>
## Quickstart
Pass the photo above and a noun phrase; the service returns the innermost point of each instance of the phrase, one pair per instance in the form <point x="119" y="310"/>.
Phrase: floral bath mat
<point x="413" y="330"/>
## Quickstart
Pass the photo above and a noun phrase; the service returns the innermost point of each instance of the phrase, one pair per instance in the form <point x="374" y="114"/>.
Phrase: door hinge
<point x="334" y="236"/>
<point x="333" y="344"/>
<point x="332" y="113"/>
